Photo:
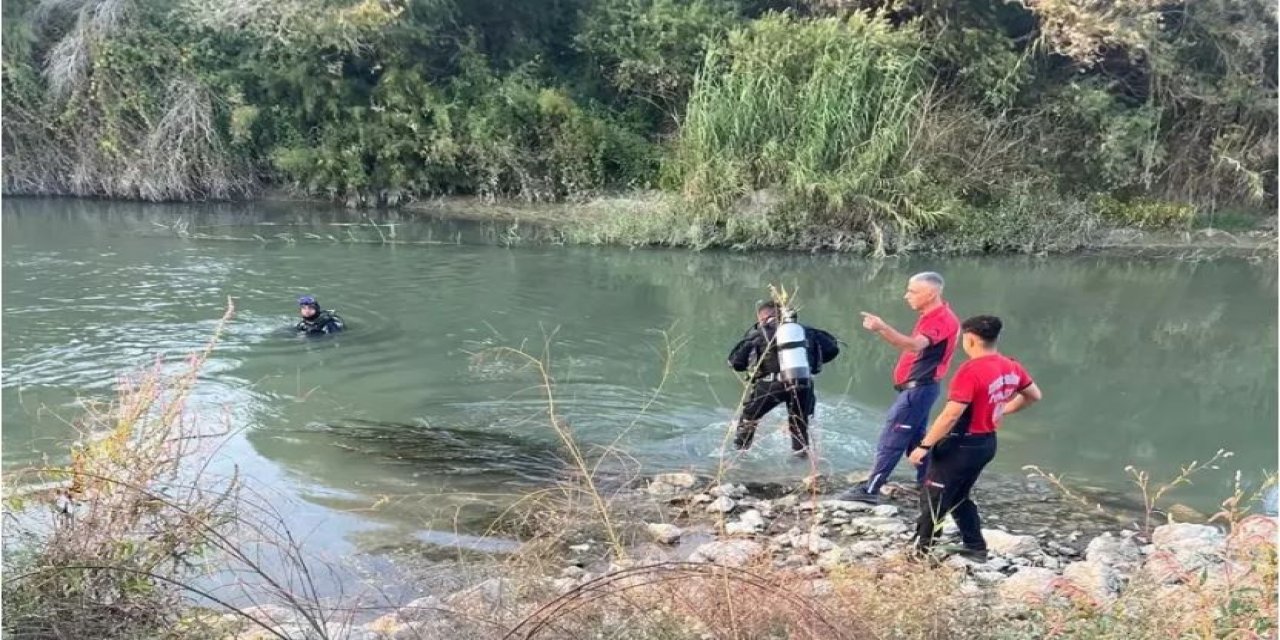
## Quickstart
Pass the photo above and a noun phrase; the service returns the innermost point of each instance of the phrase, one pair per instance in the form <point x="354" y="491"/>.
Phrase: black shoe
<point x="860" y="494"/>
<point x="968" y="553"/>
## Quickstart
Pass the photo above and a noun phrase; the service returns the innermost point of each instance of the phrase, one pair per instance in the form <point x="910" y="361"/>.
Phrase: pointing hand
<point x="872" y="322"/>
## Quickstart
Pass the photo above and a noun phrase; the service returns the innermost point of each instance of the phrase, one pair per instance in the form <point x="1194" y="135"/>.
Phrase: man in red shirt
<point x="926" y="356"/>
<point x="962" y="440"/>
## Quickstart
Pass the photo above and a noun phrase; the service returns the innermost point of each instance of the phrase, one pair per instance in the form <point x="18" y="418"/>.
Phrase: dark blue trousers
<point x="903" y="430"/>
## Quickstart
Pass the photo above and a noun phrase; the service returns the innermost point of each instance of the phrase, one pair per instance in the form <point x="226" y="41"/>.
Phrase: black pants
<point x="763" y="397"/>
<point x="954" y="467"/>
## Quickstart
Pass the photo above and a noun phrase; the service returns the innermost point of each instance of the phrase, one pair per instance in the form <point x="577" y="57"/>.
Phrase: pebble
<point x="723" y="504"/>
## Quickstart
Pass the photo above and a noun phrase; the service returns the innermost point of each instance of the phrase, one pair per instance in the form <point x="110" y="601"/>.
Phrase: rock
<point x="845" y="505"/>
<point x="808" y="572"/>
<point x="679" y="480"/>
<point x="833" y="558"/>
<point x="730" y="553"/>
<point x="572" y="571"/>
<point x="1100" y="581"/>
<point x="1183" y="549"/>
<point x="884" y="511"/>
<point x="1182" y="513"/>
<point x="486" y="598"/>
<point x="883" y="526"/>
<point x="723" y="504"/>
<point x="892" y="529"/>
<point x="579" y="548"/>
<point x="663" y="532"/>
<point x="564" y="585"/>
<point x="795" y="560"/>
<point x="1008" y="544"/>
<point x="748" y="501"/>
<point x="1271" y="501"/>
<point x="765" y="507"/>
<point x="729" y="491"/>
<point x="1050" y="562"/>
<point x="1029" y="584"/>
<point x="700" y="498"/>
<point x="988" y="577"/>
<point x="1253" y="531"/>
<point x="814" y="543"/>
<point x="866" y="548"/>
<point x="1118" y="553"/>
<point x="996" y="563"/>
<point x="1188" y="537"/>
<point x="748" y="523"/>
<point x="661" y="489"/>
<point x="1062" y="549"/>
<point x="753" y="518"/>
<point x="786" y="502"/>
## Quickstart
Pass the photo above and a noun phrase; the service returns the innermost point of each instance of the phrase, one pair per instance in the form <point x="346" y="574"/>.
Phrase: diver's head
<point x="308" y="308"/>
<point x="767" y="312"/>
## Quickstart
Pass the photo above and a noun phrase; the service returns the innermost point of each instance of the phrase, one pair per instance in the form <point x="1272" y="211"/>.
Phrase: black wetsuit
<point x="756" y="353"/>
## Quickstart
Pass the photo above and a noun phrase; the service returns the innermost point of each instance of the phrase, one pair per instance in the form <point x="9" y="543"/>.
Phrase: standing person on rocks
<point x="925" y="358"/>
<point x="962" y="440"/>
<point x="780" y="357"/>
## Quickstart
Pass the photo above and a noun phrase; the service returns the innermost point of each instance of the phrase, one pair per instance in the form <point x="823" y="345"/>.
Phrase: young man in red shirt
<point x="925" y="358"/>
<point x="962" y="440"/>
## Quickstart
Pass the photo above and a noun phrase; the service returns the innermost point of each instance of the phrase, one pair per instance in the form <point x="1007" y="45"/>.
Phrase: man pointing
<point x="924" y="360"/>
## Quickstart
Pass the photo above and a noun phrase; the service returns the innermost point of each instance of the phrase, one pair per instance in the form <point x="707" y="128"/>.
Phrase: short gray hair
<point x="932" y="277"/>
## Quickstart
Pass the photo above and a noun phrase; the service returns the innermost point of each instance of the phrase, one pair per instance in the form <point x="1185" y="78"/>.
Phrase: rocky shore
<point x="810" y="541"/>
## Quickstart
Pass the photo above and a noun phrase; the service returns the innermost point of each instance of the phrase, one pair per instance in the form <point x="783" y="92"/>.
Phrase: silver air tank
<point x="793" y="358"/>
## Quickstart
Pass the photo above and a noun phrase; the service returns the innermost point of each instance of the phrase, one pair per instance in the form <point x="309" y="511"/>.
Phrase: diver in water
<point x="316" y="321"/>
<point x="780" y="357"/>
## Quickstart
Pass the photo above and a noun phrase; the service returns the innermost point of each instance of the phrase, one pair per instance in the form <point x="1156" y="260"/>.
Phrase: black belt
<point x="911" y="384"/>
<point x="973" y="436"/>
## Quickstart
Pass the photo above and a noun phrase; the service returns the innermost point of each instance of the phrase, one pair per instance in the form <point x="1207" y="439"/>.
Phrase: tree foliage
<point x="377" y="102"/>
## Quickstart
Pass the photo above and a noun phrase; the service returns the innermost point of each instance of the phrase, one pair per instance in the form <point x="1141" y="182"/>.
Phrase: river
<point x="415" y="422"/>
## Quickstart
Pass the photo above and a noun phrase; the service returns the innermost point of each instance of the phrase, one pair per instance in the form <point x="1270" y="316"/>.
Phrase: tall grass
<point x="823" y="111"/>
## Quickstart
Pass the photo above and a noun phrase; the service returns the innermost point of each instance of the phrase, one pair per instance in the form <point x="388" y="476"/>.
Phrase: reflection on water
<point x="413" y="419"/>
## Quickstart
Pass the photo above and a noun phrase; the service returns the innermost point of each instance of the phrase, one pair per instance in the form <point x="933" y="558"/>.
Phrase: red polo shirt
<point x="942" y="328"/>
<point x="985" y="384"/>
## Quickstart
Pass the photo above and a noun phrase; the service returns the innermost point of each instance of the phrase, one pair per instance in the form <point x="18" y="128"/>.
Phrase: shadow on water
<point x="501" y="458"/>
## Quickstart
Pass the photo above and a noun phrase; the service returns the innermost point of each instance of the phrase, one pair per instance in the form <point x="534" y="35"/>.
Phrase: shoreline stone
<point x="809" y="538"/>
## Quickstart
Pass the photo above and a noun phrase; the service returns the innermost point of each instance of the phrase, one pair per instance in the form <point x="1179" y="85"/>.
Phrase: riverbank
<point x="651" y="219"/>
<point x="710" y="560"/>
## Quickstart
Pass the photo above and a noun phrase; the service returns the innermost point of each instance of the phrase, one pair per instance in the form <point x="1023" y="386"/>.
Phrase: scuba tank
<point x="793" y="357"/>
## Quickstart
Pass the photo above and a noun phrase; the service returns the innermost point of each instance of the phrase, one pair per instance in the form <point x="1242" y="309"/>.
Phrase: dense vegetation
<point x="762" y="121"/>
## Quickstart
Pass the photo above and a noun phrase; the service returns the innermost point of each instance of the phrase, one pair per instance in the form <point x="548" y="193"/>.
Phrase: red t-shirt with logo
<point x="985" y="384"/>
<point x="942" y="328"/>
